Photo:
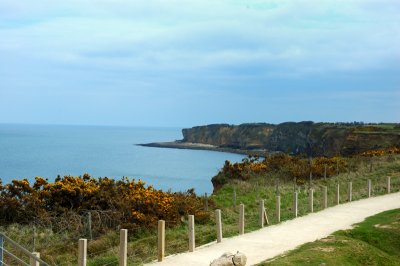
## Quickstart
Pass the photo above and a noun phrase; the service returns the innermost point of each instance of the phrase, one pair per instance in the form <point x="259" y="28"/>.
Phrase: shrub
<point x="64" y="202"/>
<point x="290" y="167"/>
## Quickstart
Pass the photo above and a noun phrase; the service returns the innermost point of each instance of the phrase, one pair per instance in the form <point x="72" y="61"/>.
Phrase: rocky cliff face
<point x="245" y="136"/>
<point x="314" y="139"/>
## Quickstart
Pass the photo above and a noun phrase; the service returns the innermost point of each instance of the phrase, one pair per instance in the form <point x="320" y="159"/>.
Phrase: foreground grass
<point x="376" y="241"/>
<point x="61" y="248"/>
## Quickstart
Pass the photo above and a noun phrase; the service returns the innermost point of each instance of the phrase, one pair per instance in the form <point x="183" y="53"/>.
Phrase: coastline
<point x="200" y="146"/>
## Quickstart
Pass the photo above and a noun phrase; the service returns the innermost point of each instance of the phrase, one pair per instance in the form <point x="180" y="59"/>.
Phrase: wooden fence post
<point x="369" y="188"/>
<point x="350" y="192"/>
<point x="161" y="240"/>
<point x="123" y="247"/>
<point x="241" y="219"/>
<point x="325" y="172"/>
<point x="311" y="199"/>
<point x="32" y="261"/>
<point x="219" y="225"/>
<point x="388" y="184"/>
<point x="295" y="203"/>
<point x="261" y="213"/>
<point x="337" y="194"/>
<point x="192" y="239"/>
<point x="278" y="209"/>
<point x="82" y="252"/>
<point x="325" y="197"/>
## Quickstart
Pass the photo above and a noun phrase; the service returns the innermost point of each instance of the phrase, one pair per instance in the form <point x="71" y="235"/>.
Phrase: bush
<point x="64" y="203"/>
<point x="383" y="152"/>
<point x="290" y="167"/>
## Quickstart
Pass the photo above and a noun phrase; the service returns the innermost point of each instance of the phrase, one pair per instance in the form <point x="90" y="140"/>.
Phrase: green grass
<point x="376" y="241"/>
<point x="389" y="129"/>
<point x="389" y="126"/>
<point x="264" y="187"/>
<point x="61" y="248"/>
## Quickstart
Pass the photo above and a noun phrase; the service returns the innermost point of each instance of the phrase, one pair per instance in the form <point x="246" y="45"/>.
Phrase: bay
<point x="27" y="151"/>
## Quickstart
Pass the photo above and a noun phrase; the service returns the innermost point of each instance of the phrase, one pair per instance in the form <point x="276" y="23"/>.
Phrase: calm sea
<point x="27" y="151"/>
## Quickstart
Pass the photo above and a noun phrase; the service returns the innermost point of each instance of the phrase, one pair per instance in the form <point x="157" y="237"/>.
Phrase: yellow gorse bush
<point x="383" y="152"/>
<point x="131" y="202"/>
<point x="292" y="167"/>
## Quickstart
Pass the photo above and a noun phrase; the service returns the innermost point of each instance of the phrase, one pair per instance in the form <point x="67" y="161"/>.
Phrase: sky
<point x="195" y="62"/>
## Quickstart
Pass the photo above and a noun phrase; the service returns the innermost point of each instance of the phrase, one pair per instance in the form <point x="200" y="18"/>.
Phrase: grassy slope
<point x="264" y="187"/>
<point x="376" y="241"/>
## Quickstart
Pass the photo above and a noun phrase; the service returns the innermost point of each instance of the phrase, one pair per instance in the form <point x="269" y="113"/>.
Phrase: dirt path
<point x="274" y="240"/>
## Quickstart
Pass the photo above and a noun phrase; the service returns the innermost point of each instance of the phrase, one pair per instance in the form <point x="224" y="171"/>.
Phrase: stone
<point x="229" y="259"/>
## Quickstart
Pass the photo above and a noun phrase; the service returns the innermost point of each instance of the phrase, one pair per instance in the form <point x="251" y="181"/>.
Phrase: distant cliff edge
<point x="313" y="139"/>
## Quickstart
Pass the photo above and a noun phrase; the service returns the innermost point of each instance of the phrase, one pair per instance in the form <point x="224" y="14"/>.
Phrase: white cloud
<point x="295" y="35"/>
<point x="178" y="45"/>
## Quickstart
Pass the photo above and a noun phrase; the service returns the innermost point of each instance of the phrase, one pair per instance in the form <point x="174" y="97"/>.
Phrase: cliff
<point x="245" y="136"/>
<point x="313" y="139"/>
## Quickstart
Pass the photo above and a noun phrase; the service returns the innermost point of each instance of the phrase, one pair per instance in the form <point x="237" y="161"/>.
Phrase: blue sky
<point x="194" y="62"/>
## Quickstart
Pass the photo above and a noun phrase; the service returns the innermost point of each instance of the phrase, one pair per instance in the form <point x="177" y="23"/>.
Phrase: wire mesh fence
<point x="142" y="247"/>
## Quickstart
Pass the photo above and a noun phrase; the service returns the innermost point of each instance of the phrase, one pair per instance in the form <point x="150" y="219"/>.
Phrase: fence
<point x="11" y="252"/>
<point x="262" y="215"/>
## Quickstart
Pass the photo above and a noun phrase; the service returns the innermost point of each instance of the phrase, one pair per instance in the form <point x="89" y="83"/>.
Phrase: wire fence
<point x="104" y="250"/>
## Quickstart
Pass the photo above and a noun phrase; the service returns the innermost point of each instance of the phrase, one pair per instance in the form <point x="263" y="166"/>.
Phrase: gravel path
<point x="271" y="241"/>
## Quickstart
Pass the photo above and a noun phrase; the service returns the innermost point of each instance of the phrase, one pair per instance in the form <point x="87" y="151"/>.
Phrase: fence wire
<point x="178" y="241"/>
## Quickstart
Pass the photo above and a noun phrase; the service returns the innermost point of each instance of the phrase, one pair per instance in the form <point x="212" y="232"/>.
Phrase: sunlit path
<point x="271" y="241"/>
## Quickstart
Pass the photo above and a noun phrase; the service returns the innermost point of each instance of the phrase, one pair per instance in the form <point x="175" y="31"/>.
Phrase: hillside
<point x="313" y="139"/>
<point x="114" y="204"/>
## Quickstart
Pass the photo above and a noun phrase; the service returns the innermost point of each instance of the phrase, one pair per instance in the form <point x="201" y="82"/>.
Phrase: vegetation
<point x="64" y="206"/>
<point x="376" y="241"/>
<point x="124" y="202"/>
<point x="289" y="167"/>
<point x="293" y="167"/>
<point x="267" y="185"/>
<point x="375" y="153"/>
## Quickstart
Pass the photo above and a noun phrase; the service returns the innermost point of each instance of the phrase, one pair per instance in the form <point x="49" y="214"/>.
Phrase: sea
<point x="27" y="151"/>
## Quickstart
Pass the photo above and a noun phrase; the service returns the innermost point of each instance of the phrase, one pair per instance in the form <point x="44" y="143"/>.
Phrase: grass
<point x="376" y="241"/>
<point x="383" y="128"/>
<point x="264" y="187"/>
<point x="389" y="126"/>
<point x="61" y="248"/>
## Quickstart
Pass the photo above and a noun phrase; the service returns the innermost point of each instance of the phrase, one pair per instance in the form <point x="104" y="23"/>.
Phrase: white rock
<point x="229" y="259"/>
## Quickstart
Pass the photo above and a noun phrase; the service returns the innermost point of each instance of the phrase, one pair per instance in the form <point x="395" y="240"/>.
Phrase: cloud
<point x="223" y="48"/>
<point x="293" y="35"/>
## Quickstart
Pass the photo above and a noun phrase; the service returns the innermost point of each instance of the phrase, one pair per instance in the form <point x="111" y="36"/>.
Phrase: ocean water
<point x="27" y="151"/>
